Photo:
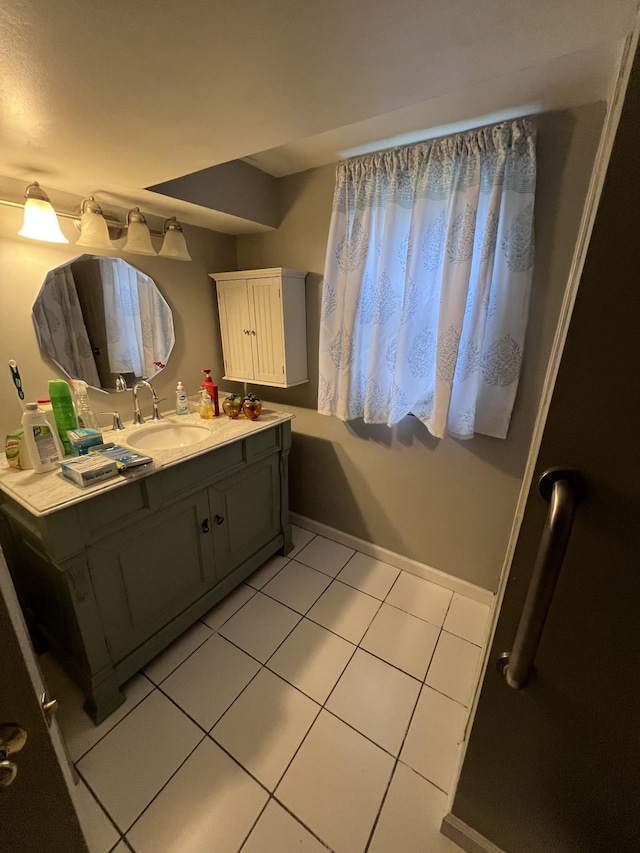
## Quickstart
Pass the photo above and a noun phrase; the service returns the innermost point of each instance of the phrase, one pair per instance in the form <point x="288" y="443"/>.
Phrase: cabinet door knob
<point x="219" y="519"/>
<point x="205" y="525"/>
<point x="252" y="332"/>
<point x="246" y="332"/>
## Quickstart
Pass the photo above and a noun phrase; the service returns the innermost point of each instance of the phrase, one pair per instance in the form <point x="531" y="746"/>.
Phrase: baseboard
<point x="477" y="593"/>
<point x="465" y="837"/>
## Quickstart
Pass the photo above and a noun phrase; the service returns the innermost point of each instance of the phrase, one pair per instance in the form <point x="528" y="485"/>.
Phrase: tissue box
<point x="82" y="439"/>
<point x="87" y="470"/>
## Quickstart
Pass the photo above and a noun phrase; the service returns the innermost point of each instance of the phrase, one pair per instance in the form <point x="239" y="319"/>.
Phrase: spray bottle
<point x="84" y="412"/>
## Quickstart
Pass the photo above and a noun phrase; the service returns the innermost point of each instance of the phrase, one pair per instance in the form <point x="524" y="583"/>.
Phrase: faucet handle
<point x="117" y="423"/>
<point x="156" y="412"/>
<point x="121" y="384"/>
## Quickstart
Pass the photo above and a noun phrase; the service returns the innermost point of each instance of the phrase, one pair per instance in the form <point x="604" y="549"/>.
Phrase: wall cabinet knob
<point x="219" y="519"/>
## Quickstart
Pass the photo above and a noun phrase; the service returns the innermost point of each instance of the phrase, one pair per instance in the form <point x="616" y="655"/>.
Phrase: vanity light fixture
<point x="174" y="245"/>
<point x="94" y="230"/>
<point x="138" y="234"/>
<point x="97" y="228"/>
<point x="40" y="220"/>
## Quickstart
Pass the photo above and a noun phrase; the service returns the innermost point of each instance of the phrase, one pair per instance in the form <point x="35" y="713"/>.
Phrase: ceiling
<point x="112" y="98"/>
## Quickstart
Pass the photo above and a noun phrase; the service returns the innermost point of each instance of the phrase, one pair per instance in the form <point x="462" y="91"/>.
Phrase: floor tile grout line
<point x="260" y="588"/>
<point x="273" y="598"/>
<point x="255" y="823"/>
<point x="184" y="660"/>
<point x="393" y="772"/>
<point x="100" y="805"/>
<point x="76" y="761"/>
<point x="422" y="776"/>
<point x="301" y="822"/>
<point x="281" y="777"/>
<point x="263" y="665"/>
<point x="254" y="591"/>
<point x="157" y="794"/>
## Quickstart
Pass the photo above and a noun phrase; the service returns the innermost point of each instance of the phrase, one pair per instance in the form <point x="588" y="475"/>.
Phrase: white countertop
<point x="43" y="494"/>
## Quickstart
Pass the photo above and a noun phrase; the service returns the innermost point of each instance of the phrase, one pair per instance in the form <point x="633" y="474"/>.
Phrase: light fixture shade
<point x="40" y="220"/>
<point x="94" y="231"/>
<point x="174" y="245"/>
<point x="138" y="235"/>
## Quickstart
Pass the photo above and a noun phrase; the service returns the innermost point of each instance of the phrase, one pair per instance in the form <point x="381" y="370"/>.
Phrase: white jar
<point x="42" y="442"/>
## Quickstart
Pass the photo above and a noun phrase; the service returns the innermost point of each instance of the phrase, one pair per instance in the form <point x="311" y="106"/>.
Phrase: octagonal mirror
<point x="100" y="319"/>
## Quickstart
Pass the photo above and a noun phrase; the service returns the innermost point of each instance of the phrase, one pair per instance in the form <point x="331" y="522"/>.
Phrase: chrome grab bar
<point x="563" y="489"/>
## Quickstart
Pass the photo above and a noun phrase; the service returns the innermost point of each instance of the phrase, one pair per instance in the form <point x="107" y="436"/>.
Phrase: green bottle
<point x="63" y="411"/>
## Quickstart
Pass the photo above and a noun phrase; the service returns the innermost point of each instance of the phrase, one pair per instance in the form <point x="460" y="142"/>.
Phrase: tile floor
<point x="319" y="706"/>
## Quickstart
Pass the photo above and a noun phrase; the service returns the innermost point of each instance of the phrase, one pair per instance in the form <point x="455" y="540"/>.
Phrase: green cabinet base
<point x="111" y="582"/>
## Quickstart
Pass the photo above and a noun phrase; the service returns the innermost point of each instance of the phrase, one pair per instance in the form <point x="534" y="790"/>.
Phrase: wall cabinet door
<point x="235" y="327"/>
<point x="245" y="514"/>
<point x="267" y="336"/>
<point x="152" y="571"/>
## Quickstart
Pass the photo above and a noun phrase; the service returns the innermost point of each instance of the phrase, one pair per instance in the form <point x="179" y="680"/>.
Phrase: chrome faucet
<point x="137" y="417"/>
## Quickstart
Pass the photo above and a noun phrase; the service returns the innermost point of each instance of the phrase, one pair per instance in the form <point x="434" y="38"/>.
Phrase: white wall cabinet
<point x="263" y="326"/>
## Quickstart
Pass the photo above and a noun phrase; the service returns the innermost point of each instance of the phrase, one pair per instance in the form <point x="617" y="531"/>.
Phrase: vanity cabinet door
<point x="245" y="514"/>
<point x="235" y="329"/>
<point x="147" y="573"/>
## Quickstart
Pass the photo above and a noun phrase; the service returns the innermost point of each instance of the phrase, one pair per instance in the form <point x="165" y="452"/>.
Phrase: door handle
<point x="12" y="738"/>
<point x="563" y="489"/>
<point x="219" y="519"/>
<point x="205" y="525"/>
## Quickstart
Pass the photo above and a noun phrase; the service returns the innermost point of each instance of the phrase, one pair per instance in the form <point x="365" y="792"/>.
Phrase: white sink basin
<point x="167" y="436"/>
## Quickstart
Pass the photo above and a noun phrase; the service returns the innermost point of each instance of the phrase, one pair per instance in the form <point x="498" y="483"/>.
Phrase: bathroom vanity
<point x="112" y="573"/>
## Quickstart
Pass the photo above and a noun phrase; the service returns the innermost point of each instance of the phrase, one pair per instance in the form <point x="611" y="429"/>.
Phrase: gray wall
<point x="446" y="503"/>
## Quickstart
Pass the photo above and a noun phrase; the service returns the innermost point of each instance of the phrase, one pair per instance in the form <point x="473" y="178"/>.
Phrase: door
<point x="245" y="513"/>
<point x="36" y="810"/>
<point x="555" y="767"/>
<point x="235" y="329"/>
<point x="267" y="329"/>
<point x="146" y="574"/>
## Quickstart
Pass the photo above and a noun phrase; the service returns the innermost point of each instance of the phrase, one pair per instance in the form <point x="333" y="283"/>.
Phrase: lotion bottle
<point x="45" y="450"/>
<point x="182" y="406"/>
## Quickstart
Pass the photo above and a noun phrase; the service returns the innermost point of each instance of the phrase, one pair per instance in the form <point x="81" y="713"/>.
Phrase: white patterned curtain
<point x="138" y="320"/>
<point x="427" y="282"/>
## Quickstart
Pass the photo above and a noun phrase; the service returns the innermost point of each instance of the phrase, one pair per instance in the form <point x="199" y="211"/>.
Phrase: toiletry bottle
<point x="206" y="405"/>
<point x="212" y="390"/>
<point x="65" y="416"/>
<point x="182" y="406"/>
<point x="44" y="404"/>
<point x="84" y="412"/>
<point x="45" y="451"/>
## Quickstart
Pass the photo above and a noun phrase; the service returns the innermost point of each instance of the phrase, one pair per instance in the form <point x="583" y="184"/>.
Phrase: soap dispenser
<point x="212" y="390"/>
<point x="182" y="406"/>
<point x="206" y="405"/>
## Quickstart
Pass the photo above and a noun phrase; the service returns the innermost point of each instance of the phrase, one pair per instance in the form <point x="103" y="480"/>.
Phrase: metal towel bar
<point x="563" y="489"/>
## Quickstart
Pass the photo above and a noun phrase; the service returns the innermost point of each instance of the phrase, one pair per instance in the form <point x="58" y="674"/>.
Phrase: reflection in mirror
<point x="100" y="318"/>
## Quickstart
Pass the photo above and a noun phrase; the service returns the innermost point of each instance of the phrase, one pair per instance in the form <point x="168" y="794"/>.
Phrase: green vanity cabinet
<point x="112" y="579"/>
